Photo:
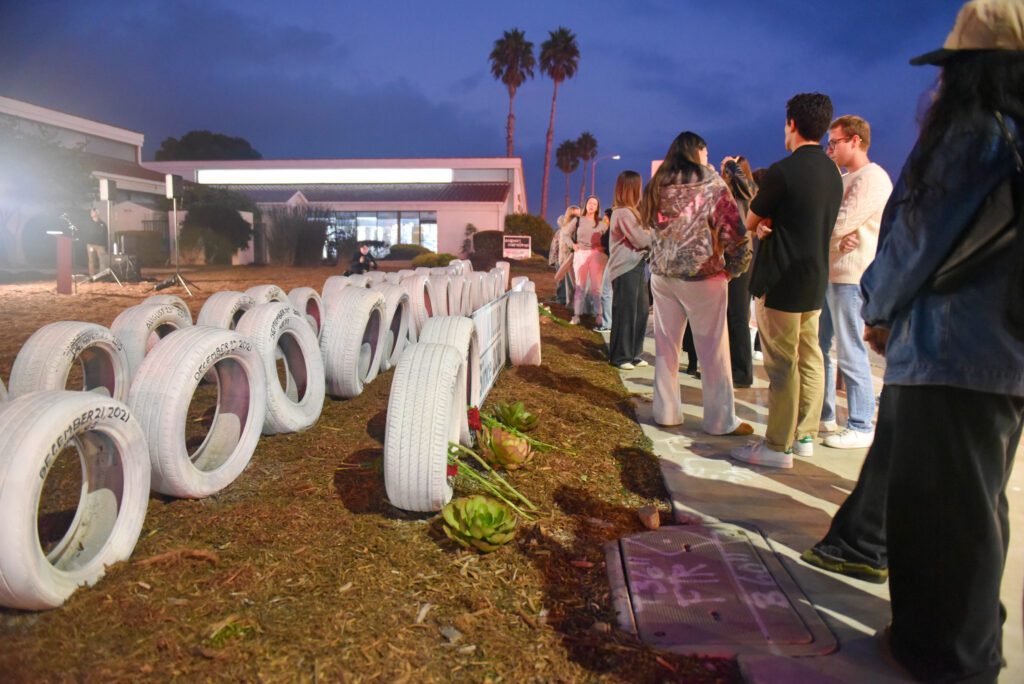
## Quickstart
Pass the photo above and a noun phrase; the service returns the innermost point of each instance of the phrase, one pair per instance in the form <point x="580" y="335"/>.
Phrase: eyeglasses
<point x="835" y="141"/>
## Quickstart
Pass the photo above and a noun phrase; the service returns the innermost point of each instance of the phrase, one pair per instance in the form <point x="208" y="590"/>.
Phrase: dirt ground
<point x="302" y="571"/>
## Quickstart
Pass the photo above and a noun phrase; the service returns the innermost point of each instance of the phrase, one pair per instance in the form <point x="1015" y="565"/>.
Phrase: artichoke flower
<point x="503" y="449"/>
<point x="515" y="416"/>
<point x="479" y="522"/>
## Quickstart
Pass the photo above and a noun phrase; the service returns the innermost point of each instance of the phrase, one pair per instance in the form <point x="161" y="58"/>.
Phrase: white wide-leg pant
<point x="588" y="267"/>
<point x="704" y="303"/>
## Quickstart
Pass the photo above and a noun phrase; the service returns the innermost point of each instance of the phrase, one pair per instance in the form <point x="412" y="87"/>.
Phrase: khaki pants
<point x="796" y="372"/>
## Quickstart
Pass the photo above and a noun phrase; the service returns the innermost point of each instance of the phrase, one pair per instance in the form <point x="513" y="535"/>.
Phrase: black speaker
<point x="173" y="186"/>
<point x="107" y="189"/>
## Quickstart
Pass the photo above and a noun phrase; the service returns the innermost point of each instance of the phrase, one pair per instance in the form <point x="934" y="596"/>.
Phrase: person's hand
<point x="849" y="243"/>
<point x="764" y="229"/>
<point x="877" y="338"/>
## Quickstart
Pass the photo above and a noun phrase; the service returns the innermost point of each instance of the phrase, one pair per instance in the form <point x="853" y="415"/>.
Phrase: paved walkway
<point x="793" y="508"/>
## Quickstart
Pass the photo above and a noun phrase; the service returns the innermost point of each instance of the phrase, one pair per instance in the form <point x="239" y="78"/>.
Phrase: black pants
<point x="933" y="491"/>
<point x="738" y="319"/>
<point x="630" y="308"/>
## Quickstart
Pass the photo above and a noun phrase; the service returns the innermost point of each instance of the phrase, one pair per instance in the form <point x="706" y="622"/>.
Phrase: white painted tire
<point x="34" y="430"/>
<point x="331" y="289"/>
<point x="308" y="302"/>
<point x="440" y="293"/>
<point x="352" y="341"/>
<point x="498" y="286"/>
<point x="456" y="284"/>
<point x="397" y="321"/>
<point x="281" y="331"/>
<point x="224" y="309"/>
<point x="529" y="286"/>
<point x="264" y="294"/>
<point x="376" y="277"/>
<point x="170" y="299"/>
<point x="424" y="412"/>
<point x="405" y="273"/>
<point x="3" y="392"/>
<point x="162" y="391"/>
<point x="421" y="271"/>
<point x="518" y="283"/>
<point x="506" y="274"/>
<point x="359" y="280"/>
<point x="523" y="322"/>
<point x="393" y="278"/>
<point x="47" y="357"/>
<point x="420" y="303"/>
<point x="460" y="332"/>
<point x="140" y="327"/>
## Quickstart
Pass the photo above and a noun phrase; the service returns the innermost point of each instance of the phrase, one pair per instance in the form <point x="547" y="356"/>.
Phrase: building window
<point x="392" y="227"/>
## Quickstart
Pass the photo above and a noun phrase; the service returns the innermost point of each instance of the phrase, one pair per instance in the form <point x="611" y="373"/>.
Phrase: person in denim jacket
<point x="930" y="508"/>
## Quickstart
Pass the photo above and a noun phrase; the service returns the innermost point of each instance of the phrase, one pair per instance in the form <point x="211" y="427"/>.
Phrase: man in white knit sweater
<point x="866" y="189"/>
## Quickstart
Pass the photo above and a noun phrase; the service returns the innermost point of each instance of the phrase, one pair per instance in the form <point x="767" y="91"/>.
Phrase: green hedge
<point x="432" y="260"/>
<point x="487" y="246"/>
<point x="538" y="229"/>
<point x="403" y="252"/>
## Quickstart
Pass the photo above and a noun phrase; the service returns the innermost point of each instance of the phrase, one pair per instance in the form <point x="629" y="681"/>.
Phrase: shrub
<point x="219" y="230"/>
<point x="432" y="260"/>
<point x="486" y="249"/>
<point x="296" y="235"/>
<point x="537" y="228"/>
<point x="403" y="252"/>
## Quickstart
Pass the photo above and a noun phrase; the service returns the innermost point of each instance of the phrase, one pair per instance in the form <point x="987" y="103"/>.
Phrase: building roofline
<point x="73" y="122"/>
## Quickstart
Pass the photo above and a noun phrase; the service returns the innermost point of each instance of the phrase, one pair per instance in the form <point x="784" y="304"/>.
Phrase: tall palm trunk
<point x="510" y="127"/>
<point x="566" y="193"/>
<point x="547" y="156"/>
<point x="583" y="184"/>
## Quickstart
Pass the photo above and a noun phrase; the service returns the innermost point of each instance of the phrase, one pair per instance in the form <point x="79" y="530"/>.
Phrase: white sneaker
<point x="626" y="366"/>
<point x="758" y="356"/>
<point x="829" y="426"/>
<point x="804" y="447"/>
<point x="640" y="363"/>
<point x="758" y="453"/>
<point x="575" y="320"/>
<point x="850" y="439"/>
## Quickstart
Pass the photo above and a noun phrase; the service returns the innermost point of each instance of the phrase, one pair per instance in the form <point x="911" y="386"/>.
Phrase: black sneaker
<point x="820" y="558"/>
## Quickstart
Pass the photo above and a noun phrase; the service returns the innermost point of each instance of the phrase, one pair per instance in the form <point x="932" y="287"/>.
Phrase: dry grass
<point x="301" y="569"/>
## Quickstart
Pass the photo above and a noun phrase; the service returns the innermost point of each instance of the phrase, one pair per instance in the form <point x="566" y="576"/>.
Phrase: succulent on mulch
<point x="479" y="522"/>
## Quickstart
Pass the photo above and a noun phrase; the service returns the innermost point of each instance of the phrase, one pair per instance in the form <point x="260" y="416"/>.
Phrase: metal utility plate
<point x="713" y="590"/>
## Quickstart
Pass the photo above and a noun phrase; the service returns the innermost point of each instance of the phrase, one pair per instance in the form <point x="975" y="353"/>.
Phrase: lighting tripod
<point x="177" y="278"/>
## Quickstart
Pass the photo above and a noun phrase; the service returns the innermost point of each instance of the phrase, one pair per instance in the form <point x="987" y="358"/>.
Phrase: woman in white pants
<point x="588" y="259"/>
<point x="699" y="243"/>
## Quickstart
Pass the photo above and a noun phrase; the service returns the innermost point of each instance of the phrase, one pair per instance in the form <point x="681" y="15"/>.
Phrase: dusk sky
<point x="305" y="79"/>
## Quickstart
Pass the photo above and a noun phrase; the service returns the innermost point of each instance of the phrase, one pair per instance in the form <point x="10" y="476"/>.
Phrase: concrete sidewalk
<point x="793" y="509"/>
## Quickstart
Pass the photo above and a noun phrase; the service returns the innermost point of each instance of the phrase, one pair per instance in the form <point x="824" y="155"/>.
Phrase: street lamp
<point x="593" y="170"/>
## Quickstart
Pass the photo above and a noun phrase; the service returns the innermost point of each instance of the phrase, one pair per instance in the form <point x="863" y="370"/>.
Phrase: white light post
<point x="593" y="171"/>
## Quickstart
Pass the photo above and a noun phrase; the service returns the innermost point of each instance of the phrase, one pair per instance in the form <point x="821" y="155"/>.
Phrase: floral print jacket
<point x="698" y="233"/>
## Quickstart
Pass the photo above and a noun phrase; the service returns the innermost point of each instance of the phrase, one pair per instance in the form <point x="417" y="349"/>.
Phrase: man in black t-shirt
<point x="793" y="214"/>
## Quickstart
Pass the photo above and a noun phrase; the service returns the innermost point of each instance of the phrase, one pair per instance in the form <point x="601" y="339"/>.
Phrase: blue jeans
<point x="840" y="319"/>
<point x="606" y="301"/>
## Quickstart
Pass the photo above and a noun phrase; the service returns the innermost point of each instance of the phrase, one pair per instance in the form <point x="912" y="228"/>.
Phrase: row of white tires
<point x="129" y="436"/>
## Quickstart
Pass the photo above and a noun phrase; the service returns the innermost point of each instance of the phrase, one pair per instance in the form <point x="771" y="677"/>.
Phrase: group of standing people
<point x="929" y="273"/>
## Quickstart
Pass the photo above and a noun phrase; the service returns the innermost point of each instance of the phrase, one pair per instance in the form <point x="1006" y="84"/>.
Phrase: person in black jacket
<point x="362" y="261"/>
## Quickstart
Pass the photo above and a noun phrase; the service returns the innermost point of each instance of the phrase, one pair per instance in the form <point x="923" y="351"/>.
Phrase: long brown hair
<point x="628" y="192"/>
<point x="683" y="156"/>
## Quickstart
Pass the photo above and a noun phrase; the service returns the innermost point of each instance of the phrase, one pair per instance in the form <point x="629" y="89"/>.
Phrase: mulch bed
<point x="302" y="570"/>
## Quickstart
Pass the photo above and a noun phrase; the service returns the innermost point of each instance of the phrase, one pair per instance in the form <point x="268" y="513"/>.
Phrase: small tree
<point x="219" y="230"/>
<point x="205" y="145"/>
<point x="296" y="236"/>
<point x="537" y="228"/>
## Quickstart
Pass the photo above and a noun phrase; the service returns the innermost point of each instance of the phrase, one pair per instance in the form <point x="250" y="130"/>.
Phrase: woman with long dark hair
<point x="698" y="244"/>
<point x="740" y="181"/>
<point x="588" y="258"/>
<point x="930" y="510"/>
<point x="628" y="243"/>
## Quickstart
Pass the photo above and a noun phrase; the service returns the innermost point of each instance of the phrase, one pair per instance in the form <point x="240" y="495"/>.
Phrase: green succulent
<point x="504" y="449"/>
<point x="479" y="522"/>
<point x="515" y="416"/>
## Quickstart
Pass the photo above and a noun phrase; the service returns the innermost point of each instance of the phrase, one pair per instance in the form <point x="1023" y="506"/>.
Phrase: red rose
<point x="453" y="469"/>
<point x="473" y="416"/>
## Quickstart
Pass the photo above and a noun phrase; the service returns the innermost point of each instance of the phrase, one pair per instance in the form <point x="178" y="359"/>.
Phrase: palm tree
<point x="568" y="160"/>
<point x="512" y="63"/>
<point x="559" y="59"/>
<point x="586" y="147"/>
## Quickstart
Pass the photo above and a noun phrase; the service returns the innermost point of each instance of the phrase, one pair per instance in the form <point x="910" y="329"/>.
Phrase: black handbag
<point x="992" y="232"/>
